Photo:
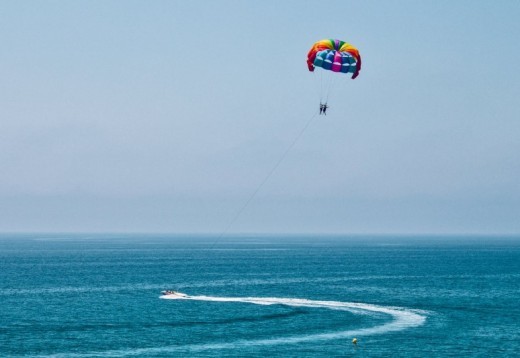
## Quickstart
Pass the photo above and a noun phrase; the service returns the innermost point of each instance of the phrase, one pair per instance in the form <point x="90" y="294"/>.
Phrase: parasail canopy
<point x="335" y="56"/>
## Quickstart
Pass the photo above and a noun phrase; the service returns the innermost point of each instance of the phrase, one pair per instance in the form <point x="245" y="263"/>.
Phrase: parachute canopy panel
<point x="335" y="56"/>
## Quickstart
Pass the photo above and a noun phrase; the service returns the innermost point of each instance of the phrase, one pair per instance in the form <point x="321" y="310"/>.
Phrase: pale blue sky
<point x="165" y="116"/>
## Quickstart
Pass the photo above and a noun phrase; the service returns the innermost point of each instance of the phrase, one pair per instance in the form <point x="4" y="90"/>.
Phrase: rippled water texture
<point x="100" y="295"/>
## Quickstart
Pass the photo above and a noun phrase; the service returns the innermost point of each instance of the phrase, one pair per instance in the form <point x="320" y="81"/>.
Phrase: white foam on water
<point x="402" y="319"/>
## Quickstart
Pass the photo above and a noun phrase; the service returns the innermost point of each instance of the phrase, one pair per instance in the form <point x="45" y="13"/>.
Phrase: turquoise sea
<point x="249" y="296"/>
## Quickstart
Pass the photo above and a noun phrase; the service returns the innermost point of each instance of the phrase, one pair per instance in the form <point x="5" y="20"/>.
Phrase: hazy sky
<point x="165" y="116"/>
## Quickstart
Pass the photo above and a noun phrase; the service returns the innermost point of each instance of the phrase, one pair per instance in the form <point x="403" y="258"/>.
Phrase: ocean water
<point x="281" y="296"/>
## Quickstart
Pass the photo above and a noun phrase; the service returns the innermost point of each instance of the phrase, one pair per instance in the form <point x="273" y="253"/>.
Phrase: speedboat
<point x="174" y="293"/>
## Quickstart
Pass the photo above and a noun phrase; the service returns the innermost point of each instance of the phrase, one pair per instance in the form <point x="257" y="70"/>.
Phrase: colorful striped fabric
<point x="334" y="55"/>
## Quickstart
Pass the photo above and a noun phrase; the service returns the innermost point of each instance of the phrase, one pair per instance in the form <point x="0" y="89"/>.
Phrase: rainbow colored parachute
<point x="334" y="55"/>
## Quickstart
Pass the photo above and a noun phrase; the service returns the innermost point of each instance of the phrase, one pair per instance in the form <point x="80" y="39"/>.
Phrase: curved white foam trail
<point x="402" y="318"/>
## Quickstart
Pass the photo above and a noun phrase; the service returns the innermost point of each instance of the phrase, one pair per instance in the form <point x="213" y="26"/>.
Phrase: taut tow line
<point x="266" y="178"/>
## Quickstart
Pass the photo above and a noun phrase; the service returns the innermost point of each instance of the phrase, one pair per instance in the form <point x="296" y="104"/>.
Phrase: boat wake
<point x="402" y="318"/>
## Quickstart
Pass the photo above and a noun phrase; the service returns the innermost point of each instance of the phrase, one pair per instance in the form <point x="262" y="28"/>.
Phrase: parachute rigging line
<point x="332" y="56"/>
<point x="262" y="183"/>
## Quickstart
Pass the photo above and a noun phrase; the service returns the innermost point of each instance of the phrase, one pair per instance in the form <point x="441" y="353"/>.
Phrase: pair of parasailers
<point x="323" y="108"/>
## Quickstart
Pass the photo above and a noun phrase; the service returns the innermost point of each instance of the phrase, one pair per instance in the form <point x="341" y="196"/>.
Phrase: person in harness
<point x="323" y="108"/>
